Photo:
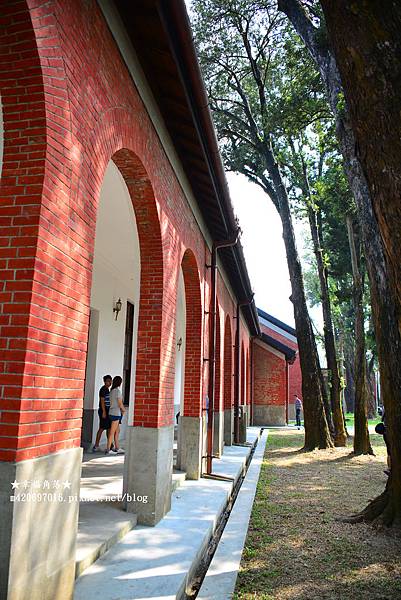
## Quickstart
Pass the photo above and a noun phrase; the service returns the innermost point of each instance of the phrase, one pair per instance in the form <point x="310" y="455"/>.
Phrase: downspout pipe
<point x="237" y="360"/>
<point x="212" y="345"/>
<point x="252" y="376"/>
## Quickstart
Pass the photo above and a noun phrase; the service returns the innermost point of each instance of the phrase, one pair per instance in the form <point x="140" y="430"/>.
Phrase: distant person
<point x="116" y="413"/>
<point x="298" y="408"/>
<point x="103" y="410"/>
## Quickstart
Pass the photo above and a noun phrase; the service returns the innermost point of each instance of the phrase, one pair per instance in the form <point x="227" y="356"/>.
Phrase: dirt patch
<point x="297" y="547"/>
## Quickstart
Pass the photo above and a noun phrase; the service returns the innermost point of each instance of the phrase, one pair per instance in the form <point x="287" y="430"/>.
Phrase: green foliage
<point x="266" y="96"/>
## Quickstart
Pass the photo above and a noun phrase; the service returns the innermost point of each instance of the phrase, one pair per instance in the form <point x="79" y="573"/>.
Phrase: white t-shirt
<point x="115" y="395"/>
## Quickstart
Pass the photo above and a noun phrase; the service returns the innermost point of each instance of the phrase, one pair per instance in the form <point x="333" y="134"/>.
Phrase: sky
<point x="264" y="249"/>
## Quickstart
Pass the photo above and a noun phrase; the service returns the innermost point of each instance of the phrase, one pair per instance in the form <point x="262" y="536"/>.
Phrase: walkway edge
<point x="220" y="579"/>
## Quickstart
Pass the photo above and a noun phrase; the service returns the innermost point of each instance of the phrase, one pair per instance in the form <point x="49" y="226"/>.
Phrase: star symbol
<point x="67" y="484"/>
<point x="15" y="484"/>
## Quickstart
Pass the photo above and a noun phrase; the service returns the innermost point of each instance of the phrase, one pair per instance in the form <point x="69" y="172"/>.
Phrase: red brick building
<point x="277" y="372"/>
<point x="119" y="254"/>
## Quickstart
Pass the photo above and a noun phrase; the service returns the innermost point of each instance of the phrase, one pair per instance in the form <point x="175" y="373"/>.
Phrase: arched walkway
<point x="191" y="422"/>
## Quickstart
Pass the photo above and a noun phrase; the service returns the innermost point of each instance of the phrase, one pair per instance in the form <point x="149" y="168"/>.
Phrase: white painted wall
<point x="116" y="274"/>
<point x="180" y="354"/>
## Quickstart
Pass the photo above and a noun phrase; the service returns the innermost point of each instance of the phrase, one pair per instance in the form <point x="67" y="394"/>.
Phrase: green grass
<point x="297" y="548"/>
<point x="349" y="419"/>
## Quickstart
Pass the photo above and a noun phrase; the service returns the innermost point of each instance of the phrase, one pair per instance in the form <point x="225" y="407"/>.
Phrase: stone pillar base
<point x="269" y="415"/>
<point x="190" y="448"/>
<point x="218" y="438"/>
<point x="38" y="537"/>
<point x="242" y="425"/>
<point x="228" y="426"/>
<point x="148" y="472"/>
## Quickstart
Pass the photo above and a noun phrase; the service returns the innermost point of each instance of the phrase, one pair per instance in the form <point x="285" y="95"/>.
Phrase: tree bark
<point x="317" y="434"/>
<point x="345" y="33"/>
<point x="350" y="378"/>
<point x="367" y="45"/>
<point x="361" y="433"/>
<point x="340" y="436"/>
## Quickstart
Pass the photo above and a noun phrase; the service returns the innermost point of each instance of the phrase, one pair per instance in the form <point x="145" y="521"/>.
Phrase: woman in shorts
<point x="116" y="412"/>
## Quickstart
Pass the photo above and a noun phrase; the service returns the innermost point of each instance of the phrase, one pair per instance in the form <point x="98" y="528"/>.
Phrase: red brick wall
<point x="295" y="375"/>
<point x="69" y="108"/>
<point x="228" y="366"/>
<point x="269" y="377"/>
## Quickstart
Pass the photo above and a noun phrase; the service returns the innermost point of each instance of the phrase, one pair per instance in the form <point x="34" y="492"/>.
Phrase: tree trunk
<point x="361" y="433"/>
<point x="367" y="44"/>
<point x="345" y="34"/>
<point x="340" y="436"/>
<point x="317" y="434"/>
<point x="371" y="380"/>
<point x="350" y="378"/>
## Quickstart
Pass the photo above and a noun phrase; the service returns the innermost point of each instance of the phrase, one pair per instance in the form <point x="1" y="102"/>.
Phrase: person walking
<point x="103" y="410"/>
<point x="116" y="412"/>
<point x="298" y="408"/>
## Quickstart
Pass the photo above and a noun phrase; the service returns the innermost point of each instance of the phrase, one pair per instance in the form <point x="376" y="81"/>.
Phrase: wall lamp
<point x="117" y="308"/>
<point x="179" y="343"/>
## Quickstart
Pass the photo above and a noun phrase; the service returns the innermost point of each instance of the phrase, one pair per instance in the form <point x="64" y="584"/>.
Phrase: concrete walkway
<point x="159" y="562"/>
<point x="102" y="520"/>
<point x="220" y="579"/>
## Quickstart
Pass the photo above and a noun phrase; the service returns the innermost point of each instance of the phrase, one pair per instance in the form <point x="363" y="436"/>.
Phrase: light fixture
<point x="179" y="343"/>
<point x="117" y="307"/>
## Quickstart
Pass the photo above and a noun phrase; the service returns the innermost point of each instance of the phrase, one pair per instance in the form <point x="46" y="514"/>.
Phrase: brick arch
<point x="21" y="187"/>
<point x="146" y="408"/>
<point x="193" y="336"/>
<point x="243" y="399"/>
<point x="228" y="365"/>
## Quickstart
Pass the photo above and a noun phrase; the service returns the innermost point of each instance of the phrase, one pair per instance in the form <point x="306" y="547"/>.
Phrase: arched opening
<point x="116" y="271"/>
<point x="112" y="350"/>
<point x="228" y="384"/>
<point x="189" y="450"/>
<point x="218" y="435"/>
<point x="124" y="339"/>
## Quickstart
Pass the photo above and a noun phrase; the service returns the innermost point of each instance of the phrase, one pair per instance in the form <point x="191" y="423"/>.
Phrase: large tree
<point x="366" y="42"/>
<point x="240" y="49"/>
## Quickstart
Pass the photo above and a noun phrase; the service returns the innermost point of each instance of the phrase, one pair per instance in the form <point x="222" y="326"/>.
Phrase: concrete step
<point x="100" y="526"/>
<point x="178" y="479"/>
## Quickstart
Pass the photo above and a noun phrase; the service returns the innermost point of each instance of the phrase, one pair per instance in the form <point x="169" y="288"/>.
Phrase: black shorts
<point x="103" y="423"/>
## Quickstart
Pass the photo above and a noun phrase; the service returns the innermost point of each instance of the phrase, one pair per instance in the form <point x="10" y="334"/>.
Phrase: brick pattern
<point x="228" y="366"/>
<point x="269" y="378"/>
<point x="243" y="375"/>
<point x="69" y="108"/>
<point x="295" y="374"/>
<point x="193" y="335"/>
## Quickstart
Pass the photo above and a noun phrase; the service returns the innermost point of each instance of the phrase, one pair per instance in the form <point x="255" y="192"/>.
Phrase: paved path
<point x="219" y="582"/>
<point x="157" y="562"/>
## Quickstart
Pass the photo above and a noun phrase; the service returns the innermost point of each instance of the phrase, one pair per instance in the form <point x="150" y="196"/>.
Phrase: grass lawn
<point x="297" y="548"/>
<point x="349" y="420"/>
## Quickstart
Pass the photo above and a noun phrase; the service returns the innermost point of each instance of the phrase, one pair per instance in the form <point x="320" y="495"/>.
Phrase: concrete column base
<point x="228" y="426"/>
<point x="190" y="448"/>
<point x="269" y="415"/>
<point x="218" y="434"/>
<point x="148" y="472"/>
<point x="89" y="415"/>
<point x="242" y="425"/>
<point x="38" y="533"/>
